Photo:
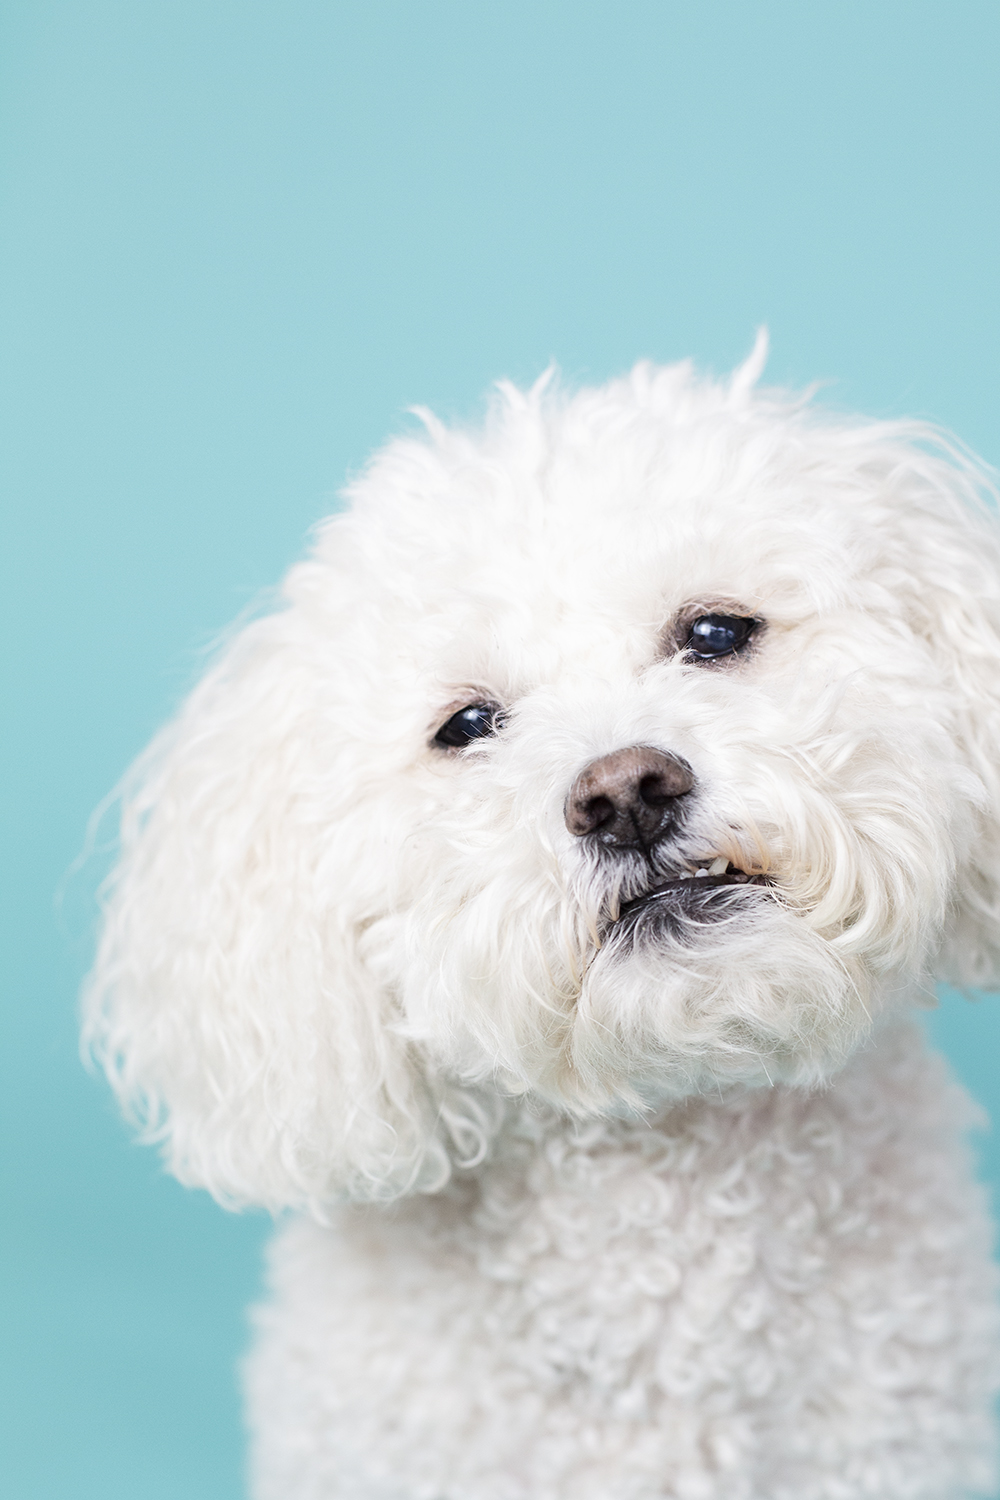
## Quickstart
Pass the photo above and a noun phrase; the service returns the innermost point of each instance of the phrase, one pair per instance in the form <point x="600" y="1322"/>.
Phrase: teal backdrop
<point x="237" y="240"/>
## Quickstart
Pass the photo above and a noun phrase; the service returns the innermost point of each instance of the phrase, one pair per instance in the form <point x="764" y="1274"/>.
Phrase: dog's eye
<point x="474" y="722"/>
<point x="718" y="635"/>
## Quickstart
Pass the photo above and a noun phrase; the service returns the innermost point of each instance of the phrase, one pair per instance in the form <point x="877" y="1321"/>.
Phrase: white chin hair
<point x="674" y="1000"/>
<point x="752" y="996"/>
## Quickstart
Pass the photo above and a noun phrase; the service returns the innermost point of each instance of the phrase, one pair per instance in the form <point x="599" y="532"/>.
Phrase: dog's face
<point x="643" y="745"/>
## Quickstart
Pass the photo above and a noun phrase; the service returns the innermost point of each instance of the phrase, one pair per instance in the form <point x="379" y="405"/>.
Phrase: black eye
<point x="474" y="722"/>
<point x="718" y="635"/>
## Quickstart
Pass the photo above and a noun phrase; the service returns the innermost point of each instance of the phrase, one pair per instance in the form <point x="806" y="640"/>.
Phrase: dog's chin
<point x="697" y="988"/>
<point x="675" y="908"/>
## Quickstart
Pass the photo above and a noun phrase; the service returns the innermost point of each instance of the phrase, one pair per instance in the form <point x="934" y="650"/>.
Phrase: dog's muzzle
<point x="631" y="802"/>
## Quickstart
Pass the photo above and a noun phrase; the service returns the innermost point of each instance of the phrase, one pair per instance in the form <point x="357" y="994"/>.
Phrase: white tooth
<point x="699" y="873"/>
<point x="718" y="866"/>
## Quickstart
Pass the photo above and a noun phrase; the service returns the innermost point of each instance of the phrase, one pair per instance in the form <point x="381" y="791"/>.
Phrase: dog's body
<point x="783" y="1295"/>
<point x="550" y="880"/>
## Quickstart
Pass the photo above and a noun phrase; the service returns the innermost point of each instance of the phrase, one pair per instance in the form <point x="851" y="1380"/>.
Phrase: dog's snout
<point x="628" y="799"/>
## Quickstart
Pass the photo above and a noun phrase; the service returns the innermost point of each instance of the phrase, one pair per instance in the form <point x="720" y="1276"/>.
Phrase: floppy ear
<point x="952" y="537"/>
<point x="228" y="1003"/>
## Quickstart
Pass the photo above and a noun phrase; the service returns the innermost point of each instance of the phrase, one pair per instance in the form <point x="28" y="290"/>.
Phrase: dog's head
<point x="645" y="743"/>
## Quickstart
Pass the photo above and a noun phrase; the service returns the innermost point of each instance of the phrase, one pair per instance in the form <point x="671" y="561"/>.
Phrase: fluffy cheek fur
<point x="507" y="966"/>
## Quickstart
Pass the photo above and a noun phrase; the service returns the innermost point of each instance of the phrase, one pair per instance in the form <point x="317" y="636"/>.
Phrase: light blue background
<point x="238" y="239"/>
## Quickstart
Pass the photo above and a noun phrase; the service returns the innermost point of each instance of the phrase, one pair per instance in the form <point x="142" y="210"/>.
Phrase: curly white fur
<point x="667" y="1231"/>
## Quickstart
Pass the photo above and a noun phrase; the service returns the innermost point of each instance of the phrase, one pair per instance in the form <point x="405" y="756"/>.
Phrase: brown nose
<point x="628" y="799"/>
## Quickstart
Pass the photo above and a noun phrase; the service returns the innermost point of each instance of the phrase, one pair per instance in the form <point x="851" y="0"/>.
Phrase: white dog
<point x="536" y="902"/>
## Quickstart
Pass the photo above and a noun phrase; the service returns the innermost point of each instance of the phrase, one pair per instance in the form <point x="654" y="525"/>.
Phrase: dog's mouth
<point x="694" y="890"/>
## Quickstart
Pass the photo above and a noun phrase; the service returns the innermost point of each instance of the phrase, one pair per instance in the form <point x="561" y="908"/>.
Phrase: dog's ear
<point x="950" y="533"/>
<point x="229" y="1003"/>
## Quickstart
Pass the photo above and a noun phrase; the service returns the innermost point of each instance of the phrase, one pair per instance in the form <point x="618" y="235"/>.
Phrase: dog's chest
<point x="703" y="1257"/>
<point x="714" y="1292"/>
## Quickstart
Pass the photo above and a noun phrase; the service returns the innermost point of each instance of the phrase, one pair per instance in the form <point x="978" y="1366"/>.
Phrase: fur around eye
<point x="711" y="636"/>
<point x="477" y="721"/>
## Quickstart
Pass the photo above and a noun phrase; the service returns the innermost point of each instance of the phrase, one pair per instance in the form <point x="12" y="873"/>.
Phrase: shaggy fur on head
<point x="686" y="1213"/>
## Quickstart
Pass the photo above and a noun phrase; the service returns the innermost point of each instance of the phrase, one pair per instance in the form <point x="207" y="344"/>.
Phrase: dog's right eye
<point x="474" y="722"/>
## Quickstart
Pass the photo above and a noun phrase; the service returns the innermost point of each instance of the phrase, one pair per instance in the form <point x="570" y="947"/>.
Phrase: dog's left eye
<point x="718" y="635"/>
<point x="474" y="722"/>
